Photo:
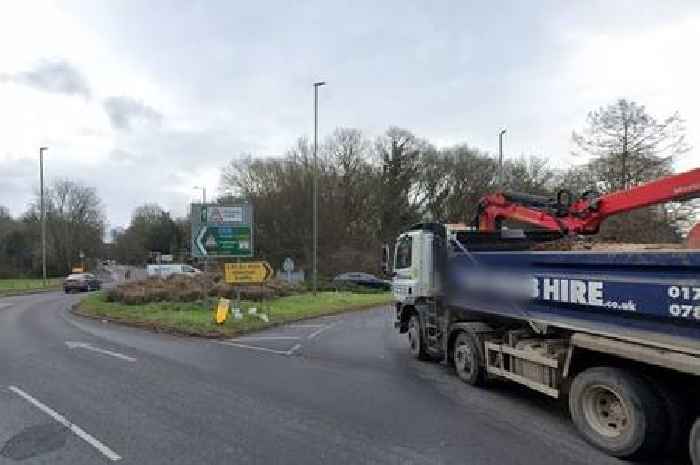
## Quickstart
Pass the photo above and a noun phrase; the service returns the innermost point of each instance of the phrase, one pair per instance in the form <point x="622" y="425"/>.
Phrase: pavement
<point x="336" y="390"/>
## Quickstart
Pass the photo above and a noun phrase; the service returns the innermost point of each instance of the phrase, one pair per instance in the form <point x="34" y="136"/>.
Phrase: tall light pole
<point x="43" y="212"/>
<point x="500" y="157"/>
<point x="315" y="208"/>
<point x="204" y="193"/>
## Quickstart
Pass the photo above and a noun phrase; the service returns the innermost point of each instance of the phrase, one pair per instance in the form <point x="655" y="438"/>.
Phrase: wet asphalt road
<point x="340" y="390"/>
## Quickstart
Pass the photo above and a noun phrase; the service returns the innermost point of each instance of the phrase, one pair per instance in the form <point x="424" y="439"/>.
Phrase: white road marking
<point x="77" y="430"/>
<point x="85" y="345"/>
<point x="320" y="330"/>
<point x="264" y="338"/>
<point x="294" y="349"/>
<point x="246" y="346"/>
<point x="3" y="305"/>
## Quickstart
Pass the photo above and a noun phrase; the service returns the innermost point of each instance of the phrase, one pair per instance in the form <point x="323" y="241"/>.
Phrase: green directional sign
<point x="222" y="230"/>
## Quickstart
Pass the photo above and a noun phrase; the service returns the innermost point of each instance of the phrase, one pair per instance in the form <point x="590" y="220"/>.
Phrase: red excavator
<point x="567" y="215"/>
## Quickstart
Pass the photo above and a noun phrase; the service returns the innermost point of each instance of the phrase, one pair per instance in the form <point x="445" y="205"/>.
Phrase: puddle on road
<point x="35" y="440"/>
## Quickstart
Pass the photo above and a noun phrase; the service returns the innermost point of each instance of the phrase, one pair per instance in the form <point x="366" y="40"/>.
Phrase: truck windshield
<point x="403" y="253"/>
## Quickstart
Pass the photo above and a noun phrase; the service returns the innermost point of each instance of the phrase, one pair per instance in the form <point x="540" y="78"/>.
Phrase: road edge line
<point x="77" y="430"/>
<point x="246" y="346"/>
<point x="320" y="330"/>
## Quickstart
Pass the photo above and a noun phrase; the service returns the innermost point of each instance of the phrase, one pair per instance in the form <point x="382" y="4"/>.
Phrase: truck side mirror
<point x="386" y="262"/>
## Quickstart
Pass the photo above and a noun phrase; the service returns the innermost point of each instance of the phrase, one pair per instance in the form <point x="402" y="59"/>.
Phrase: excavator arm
<point x="585" y="214"/>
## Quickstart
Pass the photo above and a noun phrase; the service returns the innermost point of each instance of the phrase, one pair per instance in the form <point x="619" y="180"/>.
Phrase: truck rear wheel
<point x="466" y="359"/>
<point x="617" y="412"/>
<point x="415" y="338"/>
<point x="695" y="442"/>
<point x="679" y="418"/>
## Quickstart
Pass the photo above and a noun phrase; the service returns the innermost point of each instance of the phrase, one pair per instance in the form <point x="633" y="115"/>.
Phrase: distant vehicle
<point x="79" y="282"/>
<point x="170" y="269"/>
<point x="361" y="279"/>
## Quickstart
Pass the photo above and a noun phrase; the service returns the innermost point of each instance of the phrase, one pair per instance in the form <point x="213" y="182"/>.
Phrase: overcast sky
<point x="145" y="99"/>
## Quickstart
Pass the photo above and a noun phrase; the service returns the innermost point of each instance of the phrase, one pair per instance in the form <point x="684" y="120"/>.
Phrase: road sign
<point x="247" y="272"/>
<point x="288" y="265"/>
<point x="222" y="230"/>
<point x="166" y="258"/>
<point x="77" y="269"/>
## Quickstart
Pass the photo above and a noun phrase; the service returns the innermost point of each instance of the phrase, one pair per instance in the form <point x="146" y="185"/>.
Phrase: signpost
<point x="288" y="267"/>
<point x="222" y="230"/>
<point x="247" y="272"/>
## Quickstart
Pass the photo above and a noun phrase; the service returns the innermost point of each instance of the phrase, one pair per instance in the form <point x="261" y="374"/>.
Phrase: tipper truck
<point x="617" y="334"/>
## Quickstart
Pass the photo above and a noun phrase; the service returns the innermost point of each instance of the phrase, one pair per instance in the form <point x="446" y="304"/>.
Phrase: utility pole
<point x="315" y="207"/>
<point x="500" y="158"/>
<point x="204" y="193"/>
<point x="43" y="213"/>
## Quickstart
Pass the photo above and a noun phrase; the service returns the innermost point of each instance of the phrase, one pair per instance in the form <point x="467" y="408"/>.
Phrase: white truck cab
<point x="413" y="267"/>
<point x="416" y="269"/>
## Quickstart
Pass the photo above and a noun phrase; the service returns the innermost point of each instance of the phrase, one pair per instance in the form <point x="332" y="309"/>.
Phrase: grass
<point x="197" y="318"/>
<point x="11" y="286"/>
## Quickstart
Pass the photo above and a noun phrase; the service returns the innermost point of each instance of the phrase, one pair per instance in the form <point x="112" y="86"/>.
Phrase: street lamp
<point x="500" y="157"/>
<point x="43" y="212"/>
<point x="315" y="207"/>
<point x="204" y="193"/>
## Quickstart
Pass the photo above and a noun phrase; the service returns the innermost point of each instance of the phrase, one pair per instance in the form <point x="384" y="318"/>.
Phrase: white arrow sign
<point x="85" y="345"/>
<point x="200" y="236"/>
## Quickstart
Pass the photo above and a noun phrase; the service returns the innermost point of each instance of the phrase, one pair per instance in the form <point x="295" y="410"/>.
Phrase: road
<point x="339" y="390"/>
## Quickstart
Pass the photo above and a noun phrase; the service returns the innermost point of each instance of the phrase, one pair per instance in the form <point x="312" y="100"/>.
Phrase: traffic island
<point x="197" y="318"/>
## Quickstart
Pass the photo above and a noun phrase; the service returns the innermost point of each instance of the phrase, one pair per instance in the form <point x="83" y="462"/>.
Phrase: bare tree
<point x="628" y="145"/>
<point x="75" y="223"/>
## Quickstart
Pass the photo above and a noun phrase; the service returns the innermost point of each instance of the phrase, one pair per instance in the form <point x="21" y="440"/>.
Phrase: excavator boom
<point x="585" y="214"/>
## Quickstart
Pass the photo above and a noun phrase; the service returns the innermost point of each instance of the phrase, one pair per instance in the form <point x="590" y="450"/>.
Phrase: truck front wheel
<point x="617" y="412"/>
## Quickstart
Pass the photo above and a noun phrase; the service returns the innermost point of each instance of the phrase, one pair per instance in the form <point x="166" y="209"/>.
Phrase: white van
<point x="170" y="269"/>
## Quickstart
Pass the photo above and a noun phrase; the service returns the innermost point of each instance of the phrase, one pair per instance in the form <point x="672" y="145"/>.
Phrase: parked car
<point x="79" y="282"/>
<point x="345" y="280"/>
<point x="170" y="269"/>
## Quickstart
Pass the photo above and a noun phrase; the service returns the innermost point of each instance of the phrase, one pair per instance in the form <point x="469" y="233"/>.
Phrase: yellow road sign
<point x="222" y="311"/>
<point x="248" y="272"/>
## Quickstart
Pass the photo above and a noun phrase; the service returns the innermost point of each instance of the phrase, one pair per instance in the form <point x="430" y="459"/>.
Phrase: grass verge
<point x="22" y="285"/>
<point x="197" y="318"/>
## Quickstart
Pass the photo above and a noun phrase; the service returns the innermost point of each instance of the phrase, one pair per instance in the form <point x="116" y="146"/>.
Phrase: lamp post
<point x="204" y="193"/>
<point x="43" y="213"/>
<point x="500" y="157"/>
<point x="315" y="202"/>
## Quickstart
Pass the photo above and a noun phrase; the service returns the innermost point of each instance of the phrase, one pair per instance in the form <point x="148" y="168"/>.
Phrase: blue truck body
<point x="653" y="295"/>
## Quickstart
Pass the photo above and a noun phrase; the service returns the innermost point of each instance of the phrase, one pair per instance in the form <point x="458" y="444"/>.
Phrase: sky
<point x="145" y="100"/>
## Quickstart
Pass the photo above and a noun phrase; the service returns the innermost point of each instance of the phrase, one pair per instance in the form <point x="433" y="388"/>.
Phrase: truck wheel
<point x="679" y="420"/>
<point x="415" y="339"/>
<point x="617" y="412"/>
<point x="695" y="442"/>
<point x="466" y="359"/>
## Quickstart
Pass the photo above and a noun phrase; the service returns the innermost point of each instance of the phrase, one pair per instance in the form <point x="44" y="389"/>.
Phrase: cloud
<point x="125" y="112"/>
<point x="54" y="76"/>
